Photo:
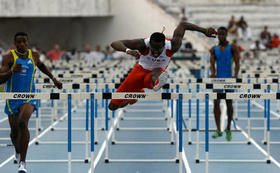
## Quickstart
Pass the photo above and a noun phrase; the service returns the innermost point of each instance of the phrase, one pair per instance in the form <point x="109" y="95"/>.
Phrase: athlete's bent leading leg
<point x="158" y="78"/>
<point x="132" y="83"/>
<point x="112" y="106"/>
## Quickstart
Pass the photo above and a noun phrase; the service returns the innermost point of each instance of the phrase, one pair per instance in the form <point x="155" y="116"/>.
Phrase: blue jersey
<point x="224" y="61"/>
<point x="22" y="81"/>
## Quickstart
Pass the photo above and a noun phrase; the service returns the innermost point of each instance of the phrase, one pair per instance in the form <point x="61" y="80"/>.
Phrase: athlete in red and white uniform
<point x="154" y="55"/>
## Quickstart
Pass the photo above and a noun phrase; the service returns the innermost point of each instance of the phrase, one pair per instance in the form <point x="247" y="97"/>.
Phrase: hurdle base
<point x="113" y="142"/>
<point x="249" y="142"/>
<point x="196" y="160"/>
<point x="37" y="143"/>
<point x="86" y="161"/>
<point x="142" y="128"/>
<point x="177" y="161"/>
<point x="234" y="161"/>
<point x="141" y="160"/>
<point x="96" y="142"/>
<point x="15" y="162"/>
<point x="268" y="161"/>
<point x="143" y="142"/>
<point x="190" y="143"/>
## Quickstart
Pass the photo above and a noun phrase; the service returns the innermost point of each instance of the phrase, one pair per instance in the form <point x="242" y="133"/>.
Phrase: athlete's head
<point x="222" y="34"/>
<point x="157" y="42"/>
<point x="21" y="41"/>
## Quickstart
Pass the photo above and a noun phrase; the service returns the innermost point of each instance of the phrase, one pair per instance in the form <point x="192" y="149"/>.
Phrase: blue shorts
<point x="12" y="106"/>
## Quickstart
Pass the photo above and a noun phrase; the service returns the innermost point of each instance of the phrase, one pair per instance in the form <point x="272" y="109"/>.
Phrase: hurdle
<point x="151" y="96"/>
<point x="54" y="96"/>
<point x="218" y="86"/>
<point x="239" y="96"/>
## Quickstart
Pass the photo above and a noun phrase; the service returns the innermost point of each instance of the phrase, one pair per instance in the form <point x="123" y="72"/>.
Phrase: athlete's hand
<point x="211" y="32"/>
<point x="57" y="83"/>
<point x="17" y="68"/>
<point x="133" y="53"/>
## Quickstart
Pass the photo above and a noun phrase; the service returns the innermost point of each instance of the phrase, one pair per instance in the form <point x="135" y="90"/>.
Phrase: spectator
<point x="274" y="43"/>
<point x="188" y="50"/>
<point x="240" y="48"/>
<point x="43" y="56"/>
<point x="88" y="54"/>
<point x="265" y="36"/>
<point x="121" y="55"/>
<point x="232" y="28"/>
<point x="256" y="48"/>
<point x="108" y="53"/>
<point x="55" y="54"/>
<point x="243" y="28"/>
<point x="98" y="55"/>
<point x="72" y="55"/>
<point x="184" y="17"/>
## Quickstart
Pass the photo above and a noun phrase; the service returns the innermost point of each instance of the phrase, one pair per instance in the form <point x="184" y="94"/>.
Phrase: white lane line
<point x="184" y="156"/>
<point x="42" y="134"/>
<point x="4" y="119"/>
<point x="96" y="160"/>
<point x="185" y="160"/>
<point x="262" y="107"/>
<point x="259" y="147"/>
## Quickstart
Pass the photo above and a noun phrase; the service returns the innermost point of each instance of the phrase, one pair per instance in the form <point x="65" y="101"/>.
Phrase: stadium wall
<point x="129" y="19"/>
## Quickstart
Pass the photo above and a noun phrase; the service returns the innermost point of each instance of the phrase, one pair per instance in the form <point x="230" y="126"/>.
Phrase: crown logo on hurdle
<point x="250" y="96"/>
<point x="232" y="86"/>
<point x="134" y="96"/>
<point x="49" y="86"/>
<point x="24" y="96"/>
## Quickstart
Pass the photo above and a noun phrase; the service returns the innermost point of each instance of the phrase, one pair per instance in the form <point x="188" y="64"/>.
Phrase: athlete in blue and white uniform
<point x="18" y="70"/>
<point x="222" y="57"/>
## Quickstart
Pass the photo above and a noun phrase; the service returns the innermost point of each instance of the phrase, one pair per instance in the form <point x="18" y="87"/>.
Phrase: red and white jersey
<point x="148" y="62"/>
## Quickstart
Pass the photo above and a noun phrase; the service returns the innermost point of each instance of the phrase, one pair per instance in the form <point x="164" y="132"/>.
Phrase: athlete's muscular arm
<point x="179" y="33"/>
<point x="5" y="71"/>
<point x="45" y="69"/>
<point x="212" y="63"/>
<point x="136" y="44"/>
<point x="236" y="56"/>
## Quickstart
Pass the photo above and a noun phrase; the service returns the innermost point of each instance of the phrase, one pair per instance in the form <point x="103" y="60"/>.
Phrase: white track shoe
<point x="162" y="79"/>
<point x="22" y="168"/>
